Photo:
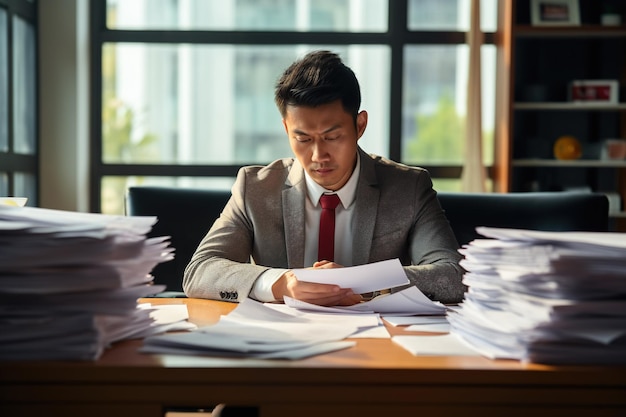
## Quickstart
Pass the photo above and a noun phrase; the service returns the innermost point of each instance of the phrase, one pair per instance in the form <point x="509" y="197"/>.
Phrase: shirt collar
<point x="346" y="194"/>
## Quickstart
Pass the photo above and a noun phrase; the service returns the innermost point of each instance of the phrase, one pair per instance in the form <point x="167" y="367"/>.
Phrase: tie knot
<point x="329" y="201"/>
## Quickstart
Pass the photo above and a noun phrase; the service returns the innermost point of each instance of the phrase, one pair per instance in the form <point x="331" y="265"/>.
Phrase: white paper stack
<point x="69" y="282"/>
<point x="546" y="297"/>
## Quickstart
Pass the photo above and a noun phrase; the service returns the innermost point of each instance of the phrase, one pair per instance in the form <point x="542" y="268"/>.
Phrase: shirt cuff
<point x="262" y="288"/>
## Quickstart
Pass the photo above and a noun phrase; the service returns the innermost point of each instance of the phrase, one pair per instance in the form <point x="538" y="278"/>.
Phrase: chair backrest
<point x="548" y="211"/>
<point x="185" y="214"/>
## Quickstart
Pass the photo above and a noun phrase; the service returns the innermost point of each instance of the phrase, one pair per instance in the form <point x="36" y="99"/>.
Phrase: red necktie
<point x="326" y="246"/>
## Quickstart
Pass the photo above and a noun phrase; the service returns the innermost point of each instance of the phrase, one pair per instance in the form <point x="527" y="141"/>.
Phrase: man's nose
<point x="320" y="152"/>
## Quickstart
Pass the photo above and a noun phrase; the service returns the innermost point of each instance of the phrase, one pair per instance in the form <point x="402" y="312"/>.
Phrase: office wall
<point x="64" y="103"/>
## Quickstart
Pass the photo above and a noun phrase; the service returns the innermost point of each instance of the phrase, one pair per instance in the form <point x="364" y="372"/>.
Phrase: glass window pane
<point x="4" y="83"/>
<point x="443" y="15"/>
<point x="24" y="85"/>
<point x="4" y="184"/>
<point x="254" y="15"/>
<point x="434" y="103"/>
<point x="454" y="184"/>
<point x="447" y="184"/>
<point x="214" y="104"/>
<point x="114" y="188"/>
<point x="25" y="185"/>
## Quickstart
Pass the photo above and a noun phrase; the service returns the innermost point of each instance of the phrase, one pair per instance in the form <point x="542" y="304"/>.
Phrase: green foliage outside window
<point x="439" y="136"/>
<point x="118" y="146"/>
<point x="440" y="139"/>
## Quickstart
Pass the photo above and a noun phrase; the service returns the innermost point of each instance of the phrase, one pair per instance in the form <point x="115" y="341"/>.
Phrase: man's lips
<point x="323" y="171"/>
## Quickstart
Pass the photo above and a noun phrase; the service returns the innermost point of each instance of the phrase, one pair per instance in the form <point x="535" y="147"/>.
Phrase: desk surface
<point x="376" y="374"/>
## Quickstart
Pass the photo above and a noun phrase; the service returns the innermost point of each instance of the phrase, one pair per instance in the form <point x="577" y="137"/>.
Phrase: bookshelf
<point x="536" y="65"/>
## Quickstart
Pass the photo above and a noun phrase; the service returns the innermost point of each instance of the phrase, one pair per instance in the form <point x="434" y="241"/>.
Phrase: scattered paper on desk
<point x="291" y="354"/>
<point x="409" y="320"/>
<point x="168" y="317"/>
<point x="548" y="297"/>
<point x="435" y="345"/>
<point x="303" y="305"/>
<point x="369" y="325"/>
<point x="431" y="328"/>
<point x="256" y="330"/>
<point x="378" y="332"/>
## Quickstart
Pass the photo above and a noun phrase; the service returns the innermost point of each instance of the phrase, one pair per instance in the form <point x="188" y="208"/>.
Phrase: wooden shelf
<point x="569" y="106"/>
<point x="551" y="56"/>
<point x="578" y="31"/>
<point x="577" y="163"/>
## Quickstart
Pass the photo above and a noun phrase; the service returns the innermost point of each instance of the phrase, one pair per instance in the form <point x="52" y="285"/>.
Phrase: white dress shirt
<point x="344" y="218"/>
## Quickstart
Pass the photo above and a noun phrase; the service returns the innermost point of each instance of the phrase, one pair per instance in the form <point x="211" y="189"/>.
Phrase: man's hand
<point x="314" y="293"/>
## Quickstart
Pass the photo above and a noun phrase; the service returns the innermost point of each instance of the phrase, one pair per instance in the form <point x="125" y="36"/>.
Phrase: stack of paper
<point x="69" y="282"/>
<point x="548" y="297"/>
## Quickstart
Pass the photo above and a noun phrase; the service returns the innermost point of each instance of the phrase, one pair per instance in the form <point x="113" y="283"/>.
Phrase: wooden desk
<point x="376" y="377"/>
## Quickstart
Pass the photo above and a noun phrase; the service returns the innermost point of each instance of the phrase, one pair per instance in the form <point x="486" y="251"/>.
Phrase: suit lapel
<point x="294" y="215"/>
<point x="365" y="213"/>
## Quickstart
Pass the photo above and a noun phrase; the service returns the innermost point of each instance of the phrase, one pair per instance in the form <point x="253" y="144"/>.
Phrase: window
<point x="18" y="103"/>
<point x="184" y="89"/>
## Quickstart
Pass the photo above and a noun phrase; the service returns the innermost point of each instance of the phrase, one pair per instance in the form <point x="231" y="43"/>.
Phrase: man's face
<point x="324" y="141"/>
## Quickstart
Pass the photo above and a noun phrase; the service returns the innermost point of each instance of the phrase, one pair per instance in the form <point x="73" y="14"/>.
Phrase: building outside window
<point x="185" y="88"/>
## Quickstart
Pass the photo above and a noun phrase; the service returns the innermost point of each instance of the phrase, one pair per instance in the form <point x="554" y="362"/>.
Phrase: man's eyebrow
<point x="302" y="132"/>
<point x="330" y="129"/>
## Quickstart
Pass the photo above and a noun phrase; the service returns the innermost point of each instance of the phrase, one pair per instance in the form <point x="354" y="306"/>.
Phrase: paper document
<point x="369" y="325"/>
<point x="409" y="301"/>
<point x="436" y="345"/>
<point x="361" y="279"/>
<point x="414" y="320"/>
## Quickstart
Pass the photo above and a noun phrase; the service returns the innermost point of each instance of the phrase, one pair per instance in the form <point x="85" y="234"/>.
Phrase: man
<point x="270" y="225"/>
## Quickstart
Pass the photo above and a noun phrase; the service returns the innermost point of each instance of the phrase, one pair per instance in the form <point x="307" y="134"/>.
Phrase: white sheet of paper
<point x="361" y="278"/>
<point x="595" y="238"/>
<point x="292" y="354"/>
<point x="360" y="320"/>
<point x="409" y="301"/>
<point x="369" y="325"/>
<point x="436" y="345"/>
<point x="432" y="327"/>
<point x="409" y="320"/>
<point x="378" y="332"/>
<point x="302" y="305"/>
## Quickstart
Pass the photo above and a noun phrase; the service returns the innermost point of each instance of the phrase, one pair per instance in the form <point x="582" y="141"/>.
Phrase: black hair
<point x="320" y="77"/>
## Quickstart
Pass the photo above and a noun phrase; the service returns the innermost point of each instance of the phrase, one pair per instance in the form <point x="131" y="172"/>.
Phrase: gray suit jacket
<point x="262" y="226"/>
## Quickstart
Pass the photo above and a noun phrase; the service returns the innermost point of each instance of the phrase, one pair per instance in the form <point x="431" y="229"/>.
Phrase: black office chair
<point x="548" y="211"/>
<point x="185" y="214"/>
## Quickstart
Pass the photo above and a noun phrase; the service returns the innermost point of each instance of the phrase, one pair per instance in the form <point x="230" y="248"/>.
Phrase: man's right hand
<point x="313" y="293"/>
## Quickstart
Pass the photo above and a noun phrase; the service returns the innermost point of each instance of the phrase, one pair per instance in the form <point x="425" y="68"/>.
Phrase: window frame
<point x="10" y="161"/>
<point x="396" y="38"/>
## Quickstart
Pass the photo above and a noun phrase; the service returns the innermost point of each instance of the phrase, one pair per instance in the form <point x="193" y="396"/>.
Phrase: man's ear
<point x="285" y="126"/>
<point x="361" y="123"/>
